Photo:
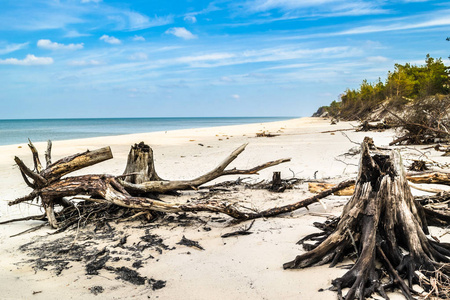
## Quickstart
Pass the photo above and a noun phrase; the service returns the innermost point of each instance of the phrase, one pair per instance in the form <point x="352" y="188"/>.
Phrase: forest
<point x="407" y="85"/>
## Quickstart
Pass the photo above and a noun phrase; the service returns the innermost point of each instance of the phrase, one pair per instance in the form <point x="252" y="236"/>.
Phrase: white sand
<point x="245" y="267"/>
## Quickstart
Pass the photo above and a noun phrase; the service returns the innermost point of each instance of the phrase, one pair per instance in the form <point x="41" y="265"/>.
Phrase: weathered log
<point x="400" y="139"/>
<point x="51" y="189"/>
<point x="317" y="187"/>
<point x="75" y="162"/>
<point x="366" y="126"/>
<point x="106" y="189"/>
<point x="434" y="177"/>
<point x="383" y="215"/>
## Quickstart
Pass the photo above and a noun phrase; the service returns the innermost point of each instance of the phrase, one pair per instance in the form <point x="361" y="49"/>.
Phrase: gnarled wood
<point x="75" y="162"/>
<point x="383" y="215"/>
<point x="36" y="160"/>
<point x="51" y="189"/>
<point x="164" y="186"/>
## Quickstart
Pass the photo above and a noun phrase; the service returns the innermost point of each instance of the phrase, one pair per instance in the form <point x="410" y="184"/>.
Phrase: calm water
<point x="18" y="131"/>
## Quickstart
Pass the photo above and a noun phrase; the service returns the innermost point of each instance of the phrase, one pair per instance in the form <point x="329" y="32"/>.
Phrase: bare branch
<point x="48" y="154"/>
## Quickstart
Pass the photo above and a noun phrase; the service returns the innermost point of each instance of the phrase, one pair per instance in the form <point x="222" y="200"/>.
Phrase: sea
<point x="38" y="130"/>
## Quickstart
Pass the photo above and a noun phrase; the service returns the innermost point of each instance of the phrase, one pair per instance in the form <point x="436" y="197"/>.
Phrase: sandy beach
<point x="243" y="267"/>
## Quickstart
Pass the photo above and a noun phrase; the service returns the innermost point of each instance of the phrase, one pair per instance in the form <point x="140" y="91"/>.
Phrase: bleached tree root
<point x="380" y="220"/>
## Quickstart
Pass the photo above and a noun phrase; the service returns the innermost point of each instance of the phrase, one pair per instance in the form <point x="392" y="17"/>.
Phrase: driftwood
<point x="164" y="186"/>
<point x="381" y="222"/>
<point x="265" y="134"/>
<point x="424" y="123"/>
<point x="366" y="126"/>
<point x="51" y="189"/>
<point x="431" y="177"/>
<point x="434" y="177"/>
<point x="317" y="187"/>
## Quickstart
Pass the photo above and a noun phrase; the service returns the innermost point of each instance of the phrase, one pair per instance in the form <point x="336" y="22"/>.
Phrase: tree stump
<point x="277" y="184"/>
<point x="380" y="222"/>
<point x="140" y="165"/>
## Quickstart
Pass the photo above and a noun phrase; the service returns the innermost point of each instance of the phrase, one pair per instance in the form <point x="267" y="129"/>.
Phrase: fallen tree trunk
<point x="108" y="189"/>
<point x="51" y="189"/>
<point x="381" y="222"/>
<point x="164" y="186"/>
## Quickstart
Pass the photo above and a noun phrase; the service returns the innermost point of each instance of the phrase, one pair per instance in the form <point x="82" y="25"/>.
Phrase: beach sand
<point x="243" y="267"/>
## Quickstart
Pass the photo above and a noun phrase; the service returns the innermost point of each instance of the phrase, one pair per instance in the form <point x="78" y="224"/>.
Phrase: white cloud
<point x="190" y="19"/>
<point x="205" y="57"/>
<point x="263" y="5"/>
<point x="12" y="47"/>
<point x="91" y="62"/>
<point x="236" y="96"/>
<point x="139" y="56"/>
<point x="130" y="20"/>
<point x="110" y="39"/>
<point x="315" y="7"/>
<point x="47" y="44"/>
<point x="226" y="79"/>
<point x="138" y="21"/>
<point x="74" y="34"/>
<point x="377" y="59"/>
<point x="89" y="1"/>
<point x="29" y="60"/>
<point x="138" y="38"/>
<point x="181" y="32"/>
<point x="391" y="25"/>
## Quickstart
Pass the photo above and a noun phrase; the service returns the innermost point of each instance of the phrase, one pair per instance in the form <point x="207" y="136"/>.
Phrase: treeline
<point x="406" y="84"/>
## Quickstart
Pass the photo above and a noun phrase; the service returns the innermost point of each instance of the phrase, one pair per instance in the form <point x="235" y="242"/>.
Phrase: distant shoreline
<point x="38" y="130"/>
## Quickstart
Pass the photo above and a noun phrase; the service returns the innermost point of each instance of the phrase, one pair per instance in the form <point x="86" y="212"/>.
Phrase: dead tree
<point x="381" y="222"/>
<point x="140" y="178"/>
<point x="51" y="189"/>
<point x="158" y="185"/>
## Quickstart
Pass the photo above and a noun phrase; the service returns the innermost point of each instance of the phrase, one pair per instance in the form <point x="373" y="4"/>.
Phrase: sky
<point x="149" y="58"/>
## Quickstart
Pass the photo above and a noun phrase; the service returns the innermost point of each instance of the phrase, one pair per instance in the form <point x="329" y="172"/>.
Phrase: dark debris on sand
<point x="60" y="254"/>
<point x="96" y="290"/>
<point x="190" y="243"/>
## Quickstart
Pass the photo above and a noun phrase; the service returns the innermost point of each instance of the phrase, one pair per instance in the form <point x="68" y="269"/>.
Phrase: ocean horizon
<point x="17" y="131"/>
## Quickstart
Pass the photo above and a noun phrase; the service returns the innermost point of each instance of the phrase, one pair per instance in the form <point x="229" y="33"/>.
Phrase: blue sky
<point x="148" y="58"/>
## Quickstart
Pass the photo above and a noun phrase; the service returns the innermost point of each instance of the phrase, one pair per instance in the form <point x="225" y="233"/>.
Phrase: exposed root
<point x="381" y="219"/>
